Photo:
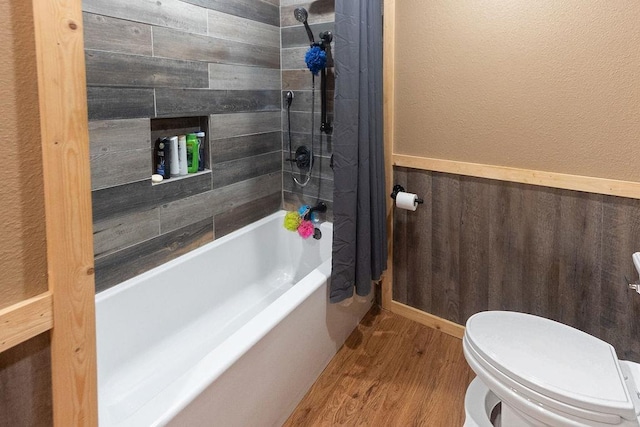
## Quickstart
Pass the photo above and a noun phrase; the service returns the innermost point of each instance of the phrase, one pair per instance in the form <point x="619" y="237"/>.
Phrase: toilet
<point x="532" y="371"/>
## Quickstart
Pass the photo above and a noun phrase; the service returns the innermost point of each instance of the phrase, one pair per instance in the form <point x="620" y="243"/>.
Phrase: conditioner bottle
<point x="174" y="162"/>
<point x="182" y="154"/>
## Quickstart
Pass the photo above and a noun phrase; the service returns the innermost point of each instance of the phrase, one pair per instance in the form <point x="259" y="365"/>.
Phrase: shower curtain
<point x="359" y="200"/>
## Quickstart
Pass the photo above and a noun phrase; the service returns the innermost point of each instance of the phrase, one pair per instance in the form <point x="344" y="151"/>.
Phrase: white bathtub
<point x="231" y="334"/>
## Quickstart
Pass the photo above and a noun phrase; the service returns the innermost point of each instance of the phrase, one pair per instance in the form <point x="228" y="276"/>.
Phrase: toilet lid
<point x="552" y="359"/>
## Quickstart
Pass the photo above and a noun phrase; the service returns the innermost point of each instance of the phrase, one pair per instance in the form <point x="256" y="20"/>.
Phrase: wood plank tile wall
<point x="479" y="244"/>
<point x="297" y="78"/>
<point x="180" y="58"/>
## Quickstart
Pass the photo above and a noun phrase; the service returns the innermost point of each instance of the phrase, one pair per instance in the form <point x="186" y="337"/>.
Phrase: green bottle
<point x="192" y="153"/>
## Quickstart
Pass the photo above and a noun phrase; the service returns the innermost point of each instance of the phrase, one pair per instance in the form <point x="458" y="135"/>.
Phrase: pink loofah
<point x="305" y="229"/>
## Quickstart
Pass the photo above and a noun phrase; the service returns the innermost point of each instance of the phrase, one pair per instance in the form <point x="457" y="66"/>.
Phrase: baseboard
<point x="435" y="322"/>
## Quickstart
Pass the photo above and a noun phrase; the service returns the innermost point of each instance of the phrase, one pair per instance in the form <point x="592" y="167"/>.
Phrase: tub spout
<point x="321" y="207"/>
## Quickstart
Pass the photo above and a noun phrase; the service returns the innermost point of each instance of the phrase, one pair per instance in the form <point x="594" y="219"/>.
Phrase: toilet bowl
<point x="545" y="373"/>
<point x="479" y="405"/>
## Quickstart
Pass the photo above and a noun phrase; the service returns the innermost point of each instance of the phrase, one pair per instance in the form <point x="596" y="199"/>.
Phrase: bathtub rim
<point x="123" y="286"/>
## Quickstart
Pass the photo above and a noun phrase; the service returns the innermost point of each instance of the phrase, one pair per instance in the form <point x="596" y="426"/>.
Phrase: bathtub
<point x="232" y="334"/>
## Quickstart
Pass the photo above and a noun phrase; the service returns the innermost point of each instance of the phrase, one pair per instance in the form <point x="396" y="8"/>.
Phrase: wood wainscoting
<point x="479" y="244"/>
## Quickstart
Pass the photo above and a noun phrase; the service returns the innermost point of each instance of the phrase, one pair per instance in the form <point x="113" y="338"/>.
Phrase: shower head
<point x="301" y="15"/>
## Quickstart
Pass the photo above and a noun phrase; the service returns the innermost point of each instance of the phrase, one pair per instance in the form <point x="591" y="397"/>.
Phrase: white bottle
<point x="175" y="163"/>
<point x="182" y="154"/>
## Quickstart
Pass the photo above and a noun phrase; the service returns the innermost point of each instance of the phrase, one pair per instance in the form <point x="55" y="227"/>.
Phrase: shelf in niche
<point x="165" y="127"/>
<point x="180" y="178"/>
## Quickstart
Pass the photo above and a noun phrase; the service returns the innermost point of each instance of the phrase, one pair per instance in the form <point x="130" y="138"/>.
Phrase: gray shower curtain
<point x="359" y="200"/>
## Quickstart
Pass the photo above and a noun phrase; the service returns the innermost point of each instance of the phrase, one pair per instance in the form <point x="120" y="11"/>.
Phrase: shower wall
<point x="174" y="67"/>
<point x="297" y="78"/>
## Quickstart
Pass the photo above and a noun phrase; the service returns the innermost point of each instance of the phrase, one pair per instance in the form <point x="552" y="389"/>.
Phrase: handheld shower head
<point x="301" y="15"/>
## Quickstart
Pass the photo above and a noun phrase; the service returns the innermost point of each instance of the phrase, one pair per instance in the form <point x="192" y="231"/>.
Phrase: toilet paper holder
<point x="399" y="188"/>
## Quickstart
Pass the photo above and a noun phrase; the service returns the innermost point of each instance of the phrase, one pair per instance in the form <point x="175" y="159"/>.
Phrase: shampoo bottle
<point x="200" y="136"/>
<point x="174" y="163"/>
<point x="163" y="158"/>
<point x="182" y="154"/>
<point x="192" y="153"/>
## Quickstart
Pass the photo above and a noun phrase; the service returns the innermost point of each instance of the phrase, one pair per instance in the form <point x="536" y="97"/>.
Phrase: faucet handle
<point x="322" y="208"/>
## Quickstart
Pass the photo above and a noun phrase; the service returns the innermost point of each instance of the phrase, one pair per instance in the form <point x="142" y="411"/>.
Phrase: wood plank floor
<point x="390" y="372"/>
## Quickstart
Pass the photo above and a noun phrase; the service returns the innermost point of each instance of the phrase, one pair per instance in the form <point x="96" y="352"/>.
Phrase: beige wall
<point x="22" y="241"/>
<point x="25" y="372"/>
<point x="543" y="85"/>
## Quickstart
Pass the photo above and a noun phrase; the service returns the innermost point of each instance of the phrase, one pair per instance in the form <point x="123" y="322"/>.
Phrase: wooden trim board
<point x="67" y="193"/>
<point x="388" y="74"/>
<point x="427" y="319"/>
<point x="24" y="320"/>
<point x="587" y="184"/>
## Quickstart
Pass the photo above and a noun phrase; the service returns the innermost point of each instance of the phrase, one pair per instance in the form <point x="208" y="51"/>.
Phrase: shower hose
<point x="313" y="119"/>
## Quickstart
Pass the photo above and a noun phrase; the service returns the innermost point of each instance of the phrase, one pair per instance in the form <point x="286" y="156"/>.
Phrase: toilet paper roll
<point x="406" y="201"/>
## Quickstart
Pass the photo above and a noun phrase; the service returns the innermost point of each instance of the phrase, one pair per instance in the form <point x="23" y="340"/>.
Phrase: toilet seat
<point x="546" y="368"/>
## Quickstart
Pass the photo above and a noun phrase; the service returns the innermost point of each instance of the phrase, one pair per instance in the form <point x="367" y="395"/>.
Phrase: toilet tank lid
<point x="553" y="359"/>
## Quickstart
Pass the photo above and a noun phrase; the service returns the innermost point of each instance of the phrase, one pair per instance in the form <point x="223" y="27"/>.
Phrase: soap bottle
<point x="200" y="136"/>
<point x="174" y="163"/>
<point x="182" y="154"/>
<point x="163" y="157"/>
<point x="192" y="153"/>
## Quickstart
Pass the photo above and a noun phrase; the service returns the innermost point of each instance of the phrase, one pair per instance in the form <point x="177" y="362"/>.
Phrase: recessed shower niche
<point x="175" y="141"/>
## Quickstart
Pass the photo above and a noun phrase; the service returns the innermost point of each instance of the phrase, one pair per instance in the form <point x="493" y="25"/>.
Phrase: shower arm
<point x="325" y="125"/>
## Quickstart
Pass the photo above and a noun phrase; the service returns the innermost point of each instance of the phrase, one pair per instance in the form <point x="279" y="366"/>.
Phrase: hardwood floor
<point x="390" y="372"/>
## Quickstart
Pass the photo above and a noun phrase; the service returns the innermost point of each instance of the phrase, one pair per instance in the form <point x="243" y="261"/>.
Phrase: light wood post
<point x="388" y="96"/>
<point x="67" y="188"/>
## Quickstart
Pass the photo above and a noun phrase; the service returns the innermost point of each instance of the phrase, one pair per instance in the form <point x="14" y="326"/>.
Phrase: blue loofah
<point x="316" y="59"/>
<point x="303" y="210"/>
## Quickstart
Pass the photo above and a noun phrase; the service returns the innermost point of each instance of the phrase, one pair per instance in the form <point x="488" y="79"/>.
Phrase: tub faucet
<point x="321" y="207"/>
